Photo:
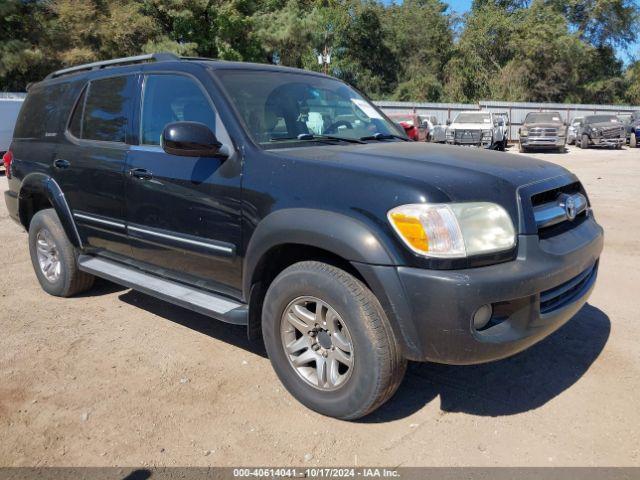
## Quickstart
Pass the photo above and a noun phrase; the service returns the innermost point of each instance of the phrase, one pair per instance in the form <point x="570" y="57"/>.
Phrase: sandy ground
<point x="115" y="377"/>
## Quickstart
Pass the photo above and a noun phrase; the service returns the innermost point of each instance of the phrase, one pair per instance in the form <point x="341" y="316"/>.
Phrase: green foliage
<point x="521" y="50"/>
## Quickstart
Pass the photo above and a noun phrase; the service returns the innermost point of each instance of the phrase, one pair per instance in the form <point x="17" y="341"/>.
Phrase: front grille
<point x="568" y="292"/>
<point x="550" y="198"/>
<point x="551" y="195"/>
<point x="611" y="132"/>
<point x="543" y="132"/>
<point x="467" y="137"/>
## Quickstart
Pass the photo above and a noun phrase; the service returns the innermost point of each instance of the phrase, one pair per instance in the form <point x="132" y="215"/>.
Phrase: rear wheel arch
<point x="38" y="192"/>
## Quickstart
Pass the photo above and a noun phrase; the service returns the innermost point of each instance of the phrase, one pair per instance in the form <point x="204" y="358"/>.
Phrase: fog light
<point x="482" y="316"/>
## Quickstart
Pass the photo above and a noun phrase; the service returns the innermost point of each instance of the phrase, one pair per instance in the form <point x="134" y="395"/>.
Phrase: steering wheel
<point x="334" y="126"/>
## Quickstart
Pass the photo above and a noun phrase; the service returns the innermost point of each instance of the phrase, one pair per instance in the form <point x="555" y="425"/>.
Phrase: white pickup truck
<point x="480" y="129"/>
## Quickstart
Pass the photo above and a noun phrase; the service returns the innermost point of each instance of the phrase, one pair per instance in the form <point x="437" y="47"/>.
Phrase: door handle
<point x="141" y="173"/>
<point x="61" y="164"/>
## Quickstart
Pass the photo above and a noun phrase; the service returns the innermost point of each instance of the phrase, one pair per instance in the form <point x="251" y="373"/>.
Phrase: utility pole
<point x="324" y="59"/>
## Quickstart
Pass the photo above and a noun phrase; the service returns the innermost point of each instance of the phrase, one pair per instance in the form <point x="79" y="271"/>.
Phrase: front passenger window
<point x="172" y="98"/>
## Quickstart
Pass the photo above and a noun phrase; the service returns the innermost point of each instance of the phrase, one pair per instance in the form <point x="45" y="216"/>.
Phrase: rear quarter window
<point x="40" y="113"/>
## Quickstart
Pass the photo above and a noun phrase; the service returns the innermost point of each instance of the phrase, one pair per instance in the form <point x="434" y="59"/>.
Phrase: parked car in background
<point x="9" y="109"/>
<point x="632" y="127"/>
<point x="284" y="201"/>
<point x="412" y="124"/>
<point x="572" y="130"/>
<point x="437" y="131"/>
<point x="543" y="130"/>
<point x="603" y="130"/>
<point x="479" y="129"/>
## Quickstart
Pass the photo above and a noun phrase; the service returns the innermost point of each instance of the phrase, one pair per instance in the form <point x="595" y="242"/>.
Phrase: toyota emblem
<point x="570" y="208"/>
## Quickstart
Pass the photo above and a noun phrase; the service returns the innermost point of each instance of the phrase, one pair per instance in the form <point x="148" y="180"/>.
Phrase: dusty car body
<point x="479" y="129"/>
<point x="543" y="130"/>
<point x="572" y="130"/>
<point x="604" y="130"/>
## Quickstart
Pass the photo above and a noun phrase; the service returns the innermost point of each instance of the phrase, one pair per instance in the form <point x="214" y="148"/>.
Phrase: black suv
<point x="283" y="200"/>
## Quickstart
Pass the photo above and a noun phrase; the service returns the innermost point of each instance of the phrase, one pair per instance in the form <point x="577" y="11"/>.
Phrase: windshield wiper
<point x="318" y="138"/>
<point x="384" y="136"/>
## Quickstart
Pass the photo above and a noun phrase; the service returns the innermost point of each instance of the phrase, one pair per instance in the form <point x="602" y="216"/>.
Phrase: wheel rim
<point x="317" y="343"/>
<point x="48" y="257"/>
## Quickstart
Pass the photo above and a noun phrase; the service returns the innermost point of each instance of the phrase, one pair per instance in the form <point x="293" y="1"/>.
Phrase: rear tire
<point x="54" y="258"/>
<point x="584" y="141"/>
<point x="305" y="362"/>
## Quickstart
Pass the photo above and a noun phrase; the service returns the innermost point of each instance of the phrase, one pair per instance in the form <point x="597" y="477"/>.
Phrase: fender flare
<point x="337" y="233"/>
<point x="41" y="184"/>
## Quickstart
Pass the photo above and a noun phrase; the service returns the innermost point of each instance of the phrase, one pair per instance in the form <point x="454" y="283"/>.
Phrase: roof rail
<point x="158" y="57"/>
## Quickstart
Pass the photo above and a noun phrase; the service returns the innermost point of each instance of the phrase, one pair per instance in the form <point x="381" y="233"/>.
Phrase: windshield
<point x="278" y="107"/>
<point x="473" y="118"/>
<point x="543" y="117"/>
<point x="601" y="119"/>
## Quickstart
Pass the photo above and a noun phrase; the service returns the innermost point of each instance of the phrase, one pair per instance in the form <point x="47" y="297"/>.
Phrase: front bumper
<point x="532" y="296"/>
<point x="608" y="142"/>
<point x="542" y="142"/>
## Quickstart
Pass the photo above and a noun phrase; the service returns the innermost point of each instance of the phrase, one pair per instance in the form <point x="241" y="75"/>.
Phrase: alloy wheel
<point x="317" y="343"/>
<point x="48" y="256"/>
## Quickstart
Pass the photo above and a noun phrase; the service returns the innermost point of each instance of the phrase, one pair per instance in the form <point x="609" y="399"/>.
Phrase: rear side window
<point x="107" y="109"/>
<point x="40" y="111"/>
<point x="103" y="111"/>
<point x="172" y="98"/>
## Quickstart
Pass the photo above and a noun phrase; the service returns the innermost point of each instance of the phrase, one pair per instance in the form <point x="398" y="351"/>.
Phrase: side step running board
<point x="200" y="301"/>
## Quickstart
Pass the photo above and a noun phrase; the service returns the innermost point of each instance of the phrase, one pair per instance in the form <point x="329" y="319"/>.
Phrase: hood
<point x="558" y="125"/>
<point x="439" y="173"/>
<point x="605" y="125"/>
<point x="471" y="126"/>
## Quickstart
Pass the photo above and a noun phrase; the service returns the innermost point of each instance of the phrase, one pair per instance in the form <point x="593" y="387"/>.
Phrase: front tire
<point x="329" y="341"/>
<point x="584" y="142"/>
<point x="54" y="258"/>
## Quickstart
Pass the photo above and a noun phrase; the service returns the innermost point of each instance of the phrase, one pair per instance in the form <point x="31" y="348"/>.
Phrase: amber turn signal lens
<point x="411" y="230"/>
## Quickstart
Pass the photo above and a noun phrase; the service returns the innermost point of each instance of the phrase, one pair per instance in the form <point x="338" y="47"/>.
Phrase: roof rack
<point x="158" y="57"/>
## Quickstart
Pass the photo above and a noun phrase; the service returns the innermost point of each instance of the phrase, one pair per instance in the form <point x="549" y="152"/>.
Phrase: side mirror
<point x="190" y="139"/>
<point x="448" y="122"/>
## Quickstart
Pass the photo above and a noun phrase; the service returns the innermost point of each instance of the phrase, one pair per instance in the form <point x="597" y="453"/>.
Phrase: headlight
<point x="453" y="230"/>
<point x="524" y="132"/>
<point x="450" y="132"/>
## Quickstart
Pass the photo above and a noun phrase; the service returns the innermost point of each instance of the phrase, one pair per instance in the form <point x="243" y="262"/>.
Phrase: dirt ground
<point x="115" y="377"/>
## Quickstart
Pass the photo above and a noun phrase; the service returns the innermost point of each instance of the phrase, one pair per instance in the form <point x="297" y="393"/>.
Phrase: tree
<point x="602" y="22"/>
<point x="632" y="77"/>
<point x="483" y="49"/>
<point x="546" y="58"/>
<point x="421" y="37"/>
